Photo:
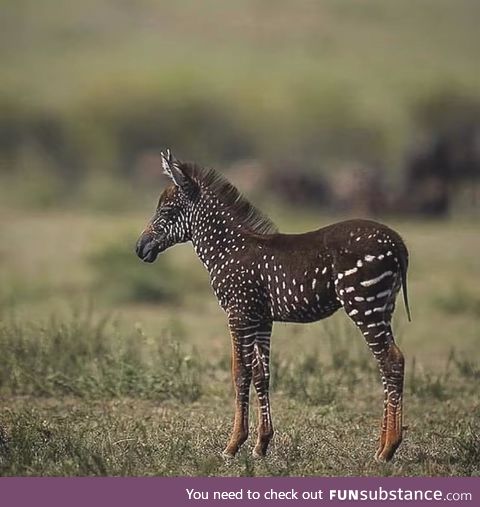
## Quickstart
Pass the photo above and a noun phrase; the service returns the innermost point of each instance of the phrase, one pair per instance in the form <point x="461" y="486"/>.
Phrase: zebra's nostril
<point x="143" y="247"/>
<point x="147" y="249"/>
<point x="140" y="247"/>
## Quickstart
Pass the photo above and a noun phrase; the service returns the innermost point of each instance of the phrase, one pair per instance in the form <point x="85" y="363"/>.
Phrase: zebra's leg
<point x="243" y="340"/>
<point x="392" y="366"/>
<point x="375" y="327"/>
<point x="261" y="381"/>
<point x="383" y="428"/>
<point x="370" y="304"/>
<point x="390" y="360"/>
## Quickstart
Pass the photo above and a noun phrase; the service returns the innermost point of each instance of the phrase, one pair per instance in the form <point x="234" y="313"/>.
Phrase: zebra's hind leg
<point x="391" y="363"/>
<point x="375" y="327"/>
<point x="370" y="304"/>
<point x="261" y="381"/>
<point x="392" y="367"/>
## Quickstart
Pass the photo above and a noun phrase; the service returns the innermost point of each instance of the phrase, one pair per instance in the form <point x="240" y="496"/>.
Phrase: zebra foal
<point x="260" y="276"/>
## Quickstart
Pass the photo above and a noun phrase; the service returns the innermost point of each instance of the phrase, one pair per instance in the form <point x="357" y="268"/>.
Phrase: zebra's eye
<point x="168" y="213"/>
<point x="165" y="211"/>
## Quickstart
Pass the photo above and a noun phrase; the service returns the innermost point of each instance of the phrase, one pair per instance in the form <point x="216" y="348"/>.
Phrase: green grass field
<point x="124" y="370"/>
<point x="112" y="367"/>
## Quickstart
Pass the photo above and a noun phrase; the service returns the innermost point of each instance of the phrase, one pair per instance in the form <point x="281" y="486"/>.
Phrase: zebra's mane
<point x="244" y="211"/>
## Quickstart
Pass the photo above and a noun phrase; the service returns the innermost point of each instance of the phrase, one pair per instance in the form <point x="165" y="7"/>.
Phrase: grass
<point x="458" y="300"/>
<point x="113" y="367"/>
<point x="96" y="384"/>
<point x="131" y="436"/>
<point x="92" y="360"/>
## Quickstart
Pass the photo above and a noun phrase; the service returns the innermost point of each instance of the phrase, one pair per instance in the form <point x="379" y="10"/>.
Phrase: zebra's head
<point x="170" y="223"/>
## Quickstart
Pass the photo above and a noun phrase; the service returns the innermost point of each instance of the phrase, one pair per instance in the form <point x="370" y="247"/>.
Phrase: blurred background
<point x="316" y="110"/>
<point x="357" y="107"/>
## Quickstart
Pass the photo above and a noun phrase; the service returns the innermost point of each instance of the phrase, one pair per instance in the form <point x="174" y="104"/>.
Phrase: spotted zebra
<point x="261" y="276"/>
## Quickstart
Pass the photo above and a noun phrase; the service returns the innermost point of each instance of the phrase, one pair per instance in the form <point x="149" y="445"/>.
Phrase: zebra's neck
<point x="216" y="234"/>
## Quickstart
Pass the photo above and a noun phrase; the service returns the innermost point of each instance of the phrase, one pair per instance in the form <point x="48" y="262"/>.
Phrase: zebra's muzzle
<point x="147" y="249"/>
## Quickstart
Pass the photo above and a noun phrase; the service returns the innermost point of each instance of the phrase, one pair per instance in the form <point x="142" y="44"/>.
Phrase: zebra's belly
<point x="309" y="308"/>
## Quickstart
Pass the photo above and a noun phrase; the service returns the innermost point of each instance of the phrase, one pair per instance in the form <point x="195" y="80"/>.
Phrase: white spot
<point x="349" y="272"/>
<point x="377" y="324"/>
<point x="373" y="281"/>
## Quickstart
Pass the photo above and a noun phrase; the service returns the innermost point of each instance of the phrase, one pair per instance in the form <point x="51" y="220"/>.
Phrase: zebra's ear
<point x="167" y="159"/>
<point x="173" y="169"/>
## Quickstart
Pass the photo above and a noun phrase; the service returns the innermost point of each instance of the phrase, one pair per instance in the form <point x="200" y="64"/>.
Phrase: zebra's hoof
<point x="258" y="454"/>
<point x="385" y="454"/>
<point x="379" y="458"/>
<point x="227" y="455"/>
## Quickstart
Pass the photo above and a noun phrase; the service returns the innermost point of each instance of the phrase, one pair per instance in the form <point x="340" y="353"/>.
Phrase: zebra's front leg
<point x="243" y="340"/>
<point x="261" y="381"/>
